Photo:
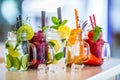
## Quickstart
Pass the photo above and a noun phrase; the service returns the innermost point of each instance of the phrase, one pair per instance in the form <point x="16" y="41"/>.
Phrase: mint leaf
<point x="51" y="43"/>
<point x="59" y="55"/>
<point x="44" y="28"/>
<point x="64" y="22"/>
<point x="55" y="20"/>
<point x="54" y="27"/>
<point x="97" y="31"/>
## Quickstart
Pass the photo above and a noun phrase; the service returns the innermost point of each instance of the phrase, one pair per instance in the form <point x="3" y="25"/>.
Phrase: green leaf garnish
<point x="97" y="31"/>
<point x="64" y="22"/>
<point x="54" y="27"/>
<point x="51" y="43"/>
<point x="44" y="28"/>
<point x="59" y="55"/>
<point x="55" y="20"/>
<point x="56" y="23"/>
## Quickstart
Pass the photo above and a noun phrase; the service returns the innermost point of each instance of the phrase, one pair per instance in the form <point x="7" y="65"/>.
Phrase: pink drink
<point x="41" y="46"/>
<point x="96" y="47"/>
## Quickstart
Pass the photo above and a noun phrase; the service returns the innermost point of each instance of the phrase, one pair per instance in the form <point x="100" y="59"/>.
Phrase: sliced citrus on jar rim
<point x="64" y="31"/>
<point x="56" y="46"/>
<point x="28" y="29"/>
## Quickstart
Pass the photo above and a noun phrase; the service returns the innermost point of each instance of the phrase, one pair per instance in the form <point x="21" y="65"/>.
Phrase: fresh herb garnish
<point x="96" y="31"/>
<point x="56" y="23"/>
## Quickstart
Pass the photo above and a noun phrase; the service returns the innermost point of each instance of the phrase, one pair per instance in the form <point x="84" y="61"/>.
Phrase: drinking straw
<point x="59" y="14"/>
<point x="91" y="21"/>
<point x="17" y="24"/>
<point x="94" y="19"/>
<point x="76" y="17"/>
<point x="43" y="18"/>
<point x="20" y="20"/>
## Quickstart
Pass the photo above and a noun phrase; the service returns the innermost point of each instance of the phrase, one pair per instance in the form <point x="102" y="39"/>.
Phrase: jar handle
<point x="34" y="54"/>
<point x="50" y="54"/>
<point x="106" y="49"/>
<point x="86" y="50"/>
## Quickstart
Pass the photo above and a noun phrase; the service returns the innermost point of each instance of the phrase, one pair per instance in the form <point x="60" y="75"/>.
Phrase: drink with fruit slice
<point x="17" y="47"/>
<point x="78" y="50"/>
<point x="97" y="47"/>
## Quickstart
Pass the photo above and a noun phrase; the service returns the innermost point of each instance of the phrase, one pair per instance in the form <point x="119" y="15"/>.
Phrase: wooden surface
<point x="107" y="70"/>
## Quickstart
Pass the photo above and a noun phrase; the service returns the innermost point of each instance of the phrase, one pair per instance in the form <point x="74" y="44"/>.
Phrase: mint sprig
<point x="56" y="23"/>
<point x="97" y="31"/>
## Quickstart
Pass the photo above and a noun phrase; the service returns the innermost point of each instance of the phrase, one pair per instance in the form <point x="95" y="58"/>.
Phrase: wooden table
<point x="109" y="69"/>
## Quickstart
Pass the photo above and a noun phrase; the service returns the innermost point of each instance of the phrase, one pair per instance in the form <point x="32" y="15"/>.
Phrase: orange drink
<point x="76" y="53"/>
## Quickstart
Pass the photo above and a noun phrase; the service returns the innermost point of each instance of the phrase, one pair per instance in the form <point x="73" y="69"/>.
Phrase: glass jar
<point x="17" y="52"/>
<point x="41" y="46"/>
<point x="59" y="58"/>
<point x="77" y="51"/>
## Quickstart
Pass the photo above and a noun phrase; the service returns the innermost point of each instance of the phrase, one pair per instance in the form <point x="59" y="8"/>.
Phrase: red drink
<point x="41" y="46"/>
<point x="97" y="49"/>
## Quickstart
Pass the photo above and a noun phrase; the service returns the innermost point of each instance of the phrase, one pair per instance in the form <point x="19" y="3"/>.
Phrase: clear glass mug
<point x="59" y="60"/>
<point x="100" y="50"/>
<point x="77" y="52"/>
<point x="40" y="43"/>
<point x="17" y="53"/>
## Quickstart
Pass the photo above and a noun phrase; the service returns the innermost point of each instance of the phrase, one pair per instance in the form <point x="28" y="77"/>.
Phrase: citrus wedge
<point x="9" y="61"/>
<point x="28" y="29"/>
<point x="24" y="61"/>
<point x="56" y="46"/>
<point x="16" y="63"/>
<point x="64" y="31"/>
<point x="12" y="52"/>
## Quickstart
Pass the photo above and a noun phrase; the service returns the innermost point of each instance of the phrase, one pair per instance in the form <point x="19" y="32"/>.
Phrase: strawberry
<point x="95" y="34"/>
<point x="93" y="61"/>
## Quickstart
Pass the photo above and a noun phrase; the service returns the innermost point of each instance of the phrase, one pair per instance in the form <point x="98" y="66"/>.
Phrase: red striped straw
<point x="91" y="22"/>
<point x="94" y="19"/>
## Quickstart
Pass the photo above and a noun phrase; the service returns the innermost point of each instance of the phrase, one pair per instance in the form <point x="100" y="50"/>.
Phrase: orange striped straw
<point x="76" y="17"/>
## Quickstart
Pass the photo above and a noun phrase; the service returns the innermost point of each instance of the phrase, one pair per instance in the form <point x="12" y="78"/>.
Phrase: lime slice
<point x="9" y="61"/>
<point x="24" y="61"/>
<point x="16" y="63"/>
<point x="56" y="46"/>
<point x="28" y="29"/>
<point x="64" y="31"/>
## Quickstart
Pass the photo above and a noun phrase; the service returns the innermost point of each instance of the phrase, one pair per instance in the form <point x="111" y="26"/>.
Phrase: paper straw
<point x="94" y="19"/>
<point x="91" y="21"/>
<point x="76" y="17"/>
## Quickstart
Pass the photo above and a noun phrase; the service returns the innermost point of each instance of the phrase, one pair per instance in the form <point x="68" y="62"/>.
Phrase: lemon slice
<point x="12" y="52"/>
<point x="64" y="31"/>
<point x="28" y="29"/>
<point x="56" y="46"/>
<point x="55" y="61"/>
